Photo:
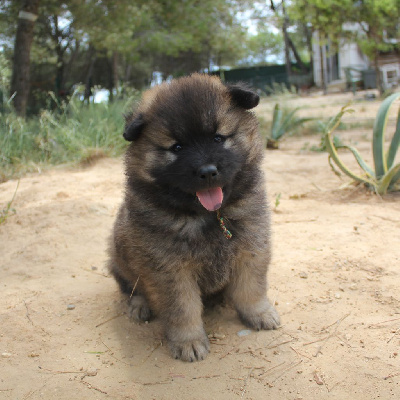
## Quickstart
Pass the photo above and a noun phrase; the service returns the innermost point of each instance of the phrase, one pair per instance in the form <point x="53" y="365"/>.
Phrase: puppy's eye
<point x="219" y="139"/>
<point x="176" y="148"/>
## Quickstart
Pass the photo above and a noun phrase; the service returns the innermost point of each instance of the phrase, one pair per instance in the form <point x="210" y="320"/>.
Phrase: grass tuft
<point x="73" y="132"/>
<point x="7" y="211"/>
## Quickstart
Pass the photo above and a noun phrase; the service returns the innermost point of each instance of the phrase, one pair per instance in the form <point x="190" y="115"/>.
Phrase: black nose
<point x="207" y="171"/>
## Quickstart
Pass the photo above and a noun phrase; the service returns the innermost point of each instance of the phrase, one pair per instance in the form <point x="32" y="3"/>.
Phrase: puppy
<point x="194" y="221"/>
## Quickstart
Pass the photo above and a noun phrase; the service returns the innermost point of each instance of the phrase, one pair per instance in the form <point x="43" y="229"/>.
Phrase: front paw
<point x="191" y="350"/>
<point x="264" y="317"/>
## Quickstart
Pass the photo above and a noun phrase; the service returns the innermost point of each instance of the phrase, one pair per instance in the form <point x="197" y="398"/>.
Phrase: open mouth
<point x="211" y="199"/>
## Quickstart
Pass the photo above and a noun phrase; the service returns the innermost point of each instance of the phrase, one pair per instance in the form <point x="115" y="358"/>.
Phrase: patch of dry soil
<point x="64" y="332"/>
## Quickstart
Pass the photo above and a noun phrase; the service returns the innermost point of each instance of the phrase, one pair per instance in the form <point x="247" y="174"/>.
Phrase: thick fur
<point x="165" y="244"/>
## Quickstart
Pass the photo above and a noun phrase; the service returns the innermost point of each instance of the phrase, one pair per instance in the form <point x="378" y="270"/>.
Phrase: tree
<point x="372" y="18"/>
<point x="376" y="18"/>
<point x="264" y="45"/>
<point x="291" y="46"/>
<point x="20" y="81"/>
<point x="209" y="29"/>
<point x="109" y="42"/>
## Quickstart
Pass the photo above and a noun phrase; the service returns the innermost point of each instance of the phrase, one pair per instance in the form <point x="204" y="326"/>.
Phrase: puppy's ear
<point x="133" y="127"/>
<point x="243" y="96"/>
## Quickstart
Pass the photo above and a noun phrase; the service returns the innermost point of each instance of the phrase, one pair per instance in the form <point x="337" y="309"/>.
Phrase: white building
<point x="348" y="64"/>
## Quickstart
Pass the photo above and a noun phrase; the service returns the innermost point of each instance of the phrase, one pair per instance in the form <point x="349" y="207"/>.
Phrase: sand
<point x="65" y="334"/>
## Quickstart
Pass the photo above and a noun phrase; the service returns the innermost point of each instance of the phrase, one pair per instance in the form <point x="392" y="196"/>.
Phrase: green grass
<point x="7" y="210"/>
<point x="280" y="90"/>
<point x="74" y="132"/>
<point x="348" y="126"/>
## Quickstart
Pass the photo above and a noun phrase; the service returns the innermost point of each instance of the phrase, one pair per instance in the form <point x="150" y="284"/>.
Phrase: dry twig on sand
<point x="326" y="338"/>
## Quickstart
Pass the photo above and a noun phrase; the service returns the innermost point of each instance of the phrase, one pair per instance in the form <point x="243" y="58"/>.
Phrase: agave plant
<point x="283" y="123"/>
<point x="386" y="175"/>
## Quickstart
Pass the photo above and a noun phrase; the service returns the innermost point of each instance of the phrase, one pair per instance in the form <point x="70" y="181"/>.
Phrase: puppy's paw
<point x="260" y="318"/>
<point x="139" y="309"/>
<point x="192" y="350"/>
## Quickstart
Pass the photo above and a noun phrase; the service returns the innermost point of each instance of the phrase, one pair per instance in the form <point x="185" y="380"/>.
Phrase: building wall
<point x="349" y="55"/>
<point x="389" y="64"/>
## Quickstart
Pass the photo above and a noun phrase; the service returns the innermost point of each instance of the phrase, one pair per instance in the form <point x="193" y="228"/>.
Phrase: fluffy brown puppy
<point x="195" y="150"/>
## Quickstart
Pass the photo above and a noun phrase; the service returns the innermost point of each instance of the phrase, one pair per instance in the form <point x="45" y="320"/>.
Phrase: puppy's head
<point x="191" y="141"/>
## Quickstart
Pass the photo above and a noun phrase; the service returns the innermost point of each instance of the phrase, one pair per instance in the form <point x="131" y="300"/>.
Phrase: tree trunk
<point x="308" y="32"/>
<point x="68" y="69"/>
<point x="285" y="24"/>
<point x="323" y="68"/>
<point x="287" y="45"/>
<point x="60" y="91"/>
<point x="128" y="73"/>
<point x="57" y="37"/>
<point x="127" y="78"/>
<point x="20" y="82"/>
<point x="89" y="80"/>
<point x="379" y="82"/>
<point x="115" y="74"/>
<point x="296" y="54"/>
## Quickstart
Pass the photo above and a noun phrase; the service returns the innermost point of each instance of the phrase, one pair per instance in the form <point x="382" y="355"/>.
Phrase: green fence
<point x="265" y="77"/>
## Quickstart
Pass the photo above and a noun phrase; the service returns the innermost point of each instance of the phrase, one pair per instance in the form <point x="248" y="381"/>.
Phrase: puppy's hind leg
<point x="139" y="309"/>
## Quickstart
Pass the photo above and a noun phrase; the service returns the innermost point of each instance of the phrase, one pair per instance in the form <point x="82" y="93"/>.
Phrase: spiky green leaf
<point x="276" y="121"/>
<point x="368" y="170"/>
<point x="378" y="140"/>
<point x="333" y="123"/>
<point x="389" y="179"/>
<point x="284" y="127"/>
<point x="395" y="143"/>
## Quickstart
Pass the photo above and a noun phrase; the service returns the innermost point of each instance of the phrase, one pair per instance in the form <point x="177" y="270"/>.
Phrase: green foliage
<point x="386" y="175"/>
<point x="72" y="132"/>
<point x="326" y="16"/>
<point x="319" y="127"/>
<point x="278" y="200"/>
<point x="280" y="89"/>
<point x="379" y="16"/>
<point x="8" y="211"/>
<point x="264" y="44"/>
<point x="283" y="121"/>
<point x="108" y="43"/>
<point x="371" y="20"/>
<point x="322" y="145"/>
<point x="5" y="76"/>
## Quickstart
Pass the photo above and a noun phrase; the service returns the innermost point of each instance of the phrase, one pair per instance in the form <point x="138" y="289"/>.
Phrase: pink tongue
<point x="211" y="199"/>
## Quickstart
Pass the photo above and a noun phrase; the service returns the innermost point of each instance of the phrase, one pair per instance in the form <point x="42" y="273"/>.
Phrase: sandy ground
<point x="335" y="278"/>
